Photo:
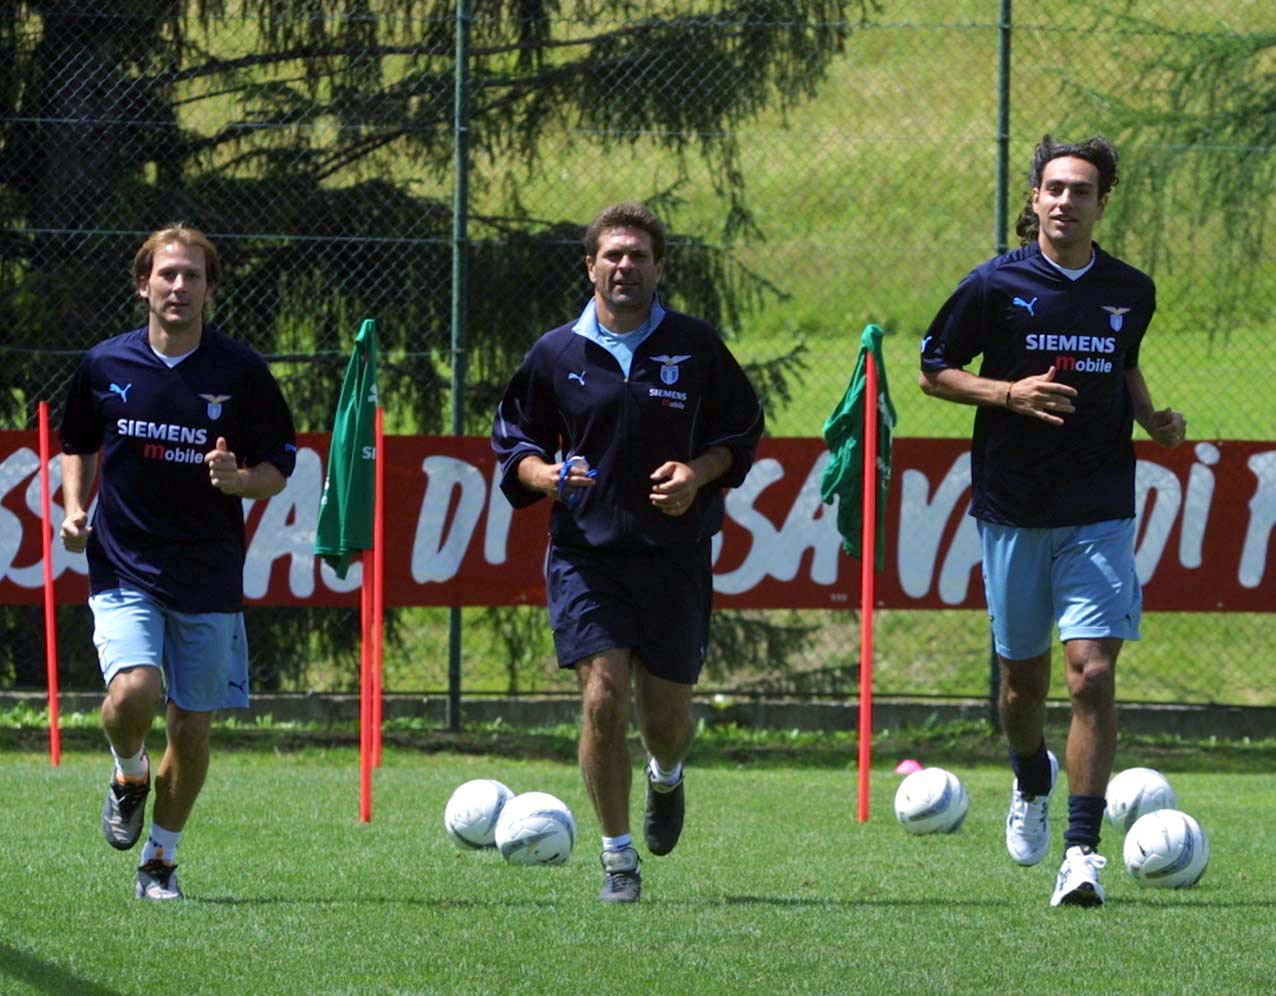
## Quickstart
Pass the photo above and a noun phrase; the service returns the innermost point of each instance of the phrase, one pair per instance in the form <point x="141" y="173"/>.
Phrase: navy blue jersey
<point x="1024" y="316"/>
<point x="685" y="393"/>
<point x="160" y="526"/>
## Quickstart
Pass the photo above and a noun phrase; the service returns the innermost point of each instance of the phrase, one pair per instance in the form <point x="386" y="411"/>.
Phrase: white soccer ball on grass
<point x="1166" y="849"/>
<point x="1135" y="792"/>
<point x="536" y="828"/>
<point x="472" y="811"/>
<point x="932" y="800"/>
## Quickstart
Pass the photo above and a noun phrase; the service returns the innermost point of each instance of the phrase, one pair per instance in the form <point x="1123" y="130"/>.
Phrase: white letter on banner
<point x="1148" y="478"/>
<point x="433" y="558"/>
<point x="499" y="514"/>
<point x="1262" y="520"/>
<point x="1196" y="506"/>
<point x="17" y="466"/>
<point x="964" y="553"/>
<point x="809" y="525"/>
<point x="32" y="576"/>
<point x="922" y="522"/>
<point x="287" y="528"/>
<point x="740" y="500"/>
<point x="352" y="580"/>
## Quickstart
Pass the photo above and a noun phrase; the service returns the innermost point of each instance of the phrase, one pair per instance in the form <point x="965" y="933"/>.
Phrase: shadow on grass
<point x="883" y="901"/>
<point x="45" y="977"/>
<point x="1194" y="904"/>
<point x="503" y="903"/>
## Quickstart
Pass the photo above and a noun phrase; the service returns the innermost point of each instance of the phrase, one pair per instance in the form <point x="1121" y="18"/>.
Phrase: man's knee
<point x="1092" y="682"/>
<point x="189" y="731"/>
<point x="1025" y="684"/>
<point x="136" y="689"/>
<point x="604" y="696"/>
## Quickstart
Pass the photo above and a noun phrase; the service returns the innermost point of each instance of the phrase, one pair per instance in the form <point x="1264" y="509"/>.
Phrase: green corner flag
<point x="348" y="504"/>
<point x="844" y="435"/>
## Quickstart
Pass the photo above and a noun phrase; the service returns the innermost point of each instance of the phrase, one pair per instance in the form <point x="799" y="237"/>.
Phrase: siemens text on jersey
<point x="170" y="433"/>
<point x="1077" y="343"/>
<point x="166" y="433"/>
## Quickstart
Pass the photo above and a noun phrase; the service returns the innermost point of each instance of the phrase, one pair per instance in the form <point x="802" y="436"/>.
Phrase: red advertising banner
<point x="1206" y="535"/>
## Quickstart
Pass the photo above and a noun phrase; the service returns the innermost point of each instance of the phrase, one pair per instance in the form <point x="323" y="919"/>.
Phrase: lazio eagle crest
<point x="1115" y="316"/>
<point x="669" y="367"/>
<point x="215" y="404"/>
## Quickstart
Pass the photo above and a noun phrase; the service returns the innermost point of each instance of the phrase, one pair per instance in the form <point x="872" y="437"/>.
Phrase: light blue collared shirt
<point x="620" y="345"/>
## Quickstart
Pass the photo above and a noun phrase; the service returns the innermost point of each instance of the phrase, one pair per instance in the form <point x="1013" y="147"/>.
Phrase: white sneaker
<point x="1028" y="824"/>
<point x="156" y="880"/>
<point x="1078" y="881"/>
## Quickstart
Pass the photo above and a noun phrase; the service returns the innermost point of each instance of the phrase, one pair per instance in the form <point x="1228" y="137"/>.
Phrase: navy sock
<point x="1085" y="817"/>
<point x="1032" y="770"/>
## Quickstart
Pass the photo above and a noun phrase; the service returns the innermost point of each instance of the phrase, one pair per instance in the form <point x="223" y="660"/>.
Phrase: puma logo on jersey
<point x="578" y="377"/>
<point x="121" y="391"/>
<point x="1026" y="305"/>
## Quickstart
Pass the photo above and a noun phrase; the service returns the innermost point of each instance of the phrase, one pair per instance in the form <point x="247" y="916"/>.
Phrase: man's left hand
<point x="674" y="489"/>
<point x="1167" y="427"/>
<point x="223" y="468"/>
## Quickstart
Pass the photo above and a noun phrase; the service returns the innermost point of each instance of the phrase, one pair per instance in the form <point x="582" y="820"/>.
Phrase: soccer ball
<point x="536" y="828"/>
<point x="1136" y="792"/>
<point x="472" y="811"/>
<point x="931" y="801"/>
<point x="1166" y="849"/>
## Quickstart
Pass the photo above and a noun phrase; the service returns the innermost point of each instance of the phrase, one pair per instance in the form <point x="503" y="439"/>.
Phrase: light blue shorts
<point x="203" y="655"/>
<point x="1081" y="577"/>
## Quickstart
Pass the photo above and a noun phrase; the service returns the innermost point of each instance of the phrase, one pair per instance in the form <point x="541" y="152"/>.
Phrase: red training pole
<point x="365" y="691"/>
<point x="378" y="589"/>
<point x="50" y="613"/>
<point x="869" y="550"/>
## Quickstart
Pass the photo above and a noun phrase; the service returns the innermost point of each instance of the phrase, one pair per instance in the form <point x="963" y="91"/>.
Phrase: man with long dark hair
<point x="1059" y="323"/>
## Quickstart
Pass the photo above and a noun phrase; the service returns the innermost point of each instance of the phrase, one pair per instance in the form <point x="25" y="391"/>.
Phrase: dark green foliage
<point x="746" y="644"/>
<point x="1196" y="137"/>
<point x="315" y="143"/>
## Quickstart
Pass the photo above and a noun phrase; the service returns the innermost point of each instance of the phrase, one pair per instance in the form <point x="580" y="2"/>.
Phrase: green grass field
<point x="775" y="888"/>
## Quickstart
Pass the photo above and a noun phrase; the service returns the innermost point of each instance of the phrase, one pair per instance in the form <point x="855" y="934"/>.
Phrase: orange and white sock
<point x="161" y="844"/>
<point x="131" y="768"/>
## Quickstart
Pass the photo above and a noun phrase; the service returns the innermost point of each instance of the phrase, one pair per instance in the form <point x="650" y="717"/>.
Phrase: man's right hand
<point x="1041" y="397"/>
<point x="75" y="532"/>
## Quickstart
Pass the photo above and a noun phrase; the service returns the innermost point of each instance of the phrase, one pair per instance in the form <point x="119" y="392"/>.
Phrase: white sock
<point x="618" y="843"/>
<point x="662" y="777"/>
<point x="161" y="844"/>
<point x="134" y="766"/>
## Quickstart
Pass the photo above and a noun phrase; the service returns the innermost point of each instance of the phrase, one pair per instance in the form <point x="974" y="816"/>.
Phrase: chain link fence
<point x="820" y="163"/>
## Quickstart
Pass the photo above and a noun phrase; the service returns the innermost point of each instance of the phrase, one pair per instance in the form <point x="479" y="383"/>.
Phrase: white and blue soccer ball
<point x="1135" y="792"/>
<point x="536" y="828"/>
<point x="472" y="811"/>
<point x="932" y="800"/>
<point x="1166" y="849"/>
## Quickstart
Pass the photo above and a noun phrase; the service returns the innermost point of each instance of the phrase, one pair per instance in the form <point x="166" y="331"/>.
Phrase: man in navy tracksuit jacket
<point x="633" y="419"/>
